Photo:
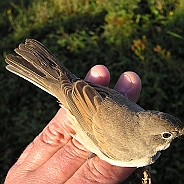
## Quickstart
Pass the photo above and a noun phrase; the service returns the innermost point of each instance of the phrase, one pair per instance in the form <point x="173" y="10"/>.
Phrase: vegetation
<point x="145" y="36"/>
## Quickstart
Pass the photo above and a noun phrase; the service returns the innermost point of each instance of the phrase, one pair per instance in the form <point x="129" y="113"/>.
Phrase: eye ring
<point x="166" y="135"/>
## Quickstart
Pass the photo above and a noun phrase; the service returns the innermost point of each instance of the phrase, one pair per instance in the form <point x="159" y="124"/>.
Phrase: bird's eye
<point x="166" y="135"/>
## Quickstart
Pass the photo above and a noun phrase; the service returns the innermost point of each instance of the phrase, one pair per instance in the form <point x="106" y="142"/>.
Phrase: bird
<point x="105" y="122"/>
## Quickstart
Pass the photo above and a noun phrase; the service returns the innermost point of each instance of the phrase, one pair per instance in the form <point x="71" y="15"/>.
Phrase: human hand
<point x="54" y="157"/>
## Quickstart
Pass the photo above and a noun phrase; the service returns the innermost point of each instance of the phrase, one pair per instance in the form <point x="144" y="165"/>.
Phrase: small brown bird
<point x="106" y="122"/>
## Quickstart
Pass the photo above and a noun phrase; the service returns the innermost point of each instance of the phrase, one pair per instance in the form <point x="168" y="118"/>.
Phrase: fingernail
<point x="124" y="83"/>
<point x="93" y="76"/>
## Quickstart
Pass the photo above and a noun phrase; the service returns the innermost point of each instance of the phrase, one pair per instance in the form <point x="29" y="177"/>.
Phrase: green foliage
<point x="145" y="36"/>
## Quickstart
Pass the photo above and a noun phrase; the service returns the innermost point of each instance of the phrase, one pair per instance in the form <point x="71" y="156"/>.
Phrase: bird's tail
<point x="40" y="67"/>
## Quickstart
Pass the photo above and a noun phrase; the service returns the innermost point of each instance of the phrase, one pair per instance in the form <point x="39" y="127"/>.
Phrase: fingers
<point x="129" y="84"/>
<point x="54" y="136"/>
<point x="96" y="171"/>
<point x="98" y="74"/>
<point x="44" y="147"/>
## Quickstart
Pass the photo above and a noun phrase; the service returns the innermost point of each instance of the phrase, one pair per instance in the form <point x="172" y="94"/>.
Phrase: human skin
<point x="54" y="157"/>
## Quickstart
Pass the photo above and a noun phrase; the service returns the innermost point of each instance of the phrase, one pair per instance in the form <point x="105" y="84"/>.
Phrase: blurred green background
<point x="145" y="36"/>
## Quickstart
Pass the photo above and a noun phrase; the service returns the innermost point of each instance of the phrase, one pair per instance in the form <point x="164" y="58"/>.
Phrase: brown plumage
<point x="106" y="122"/>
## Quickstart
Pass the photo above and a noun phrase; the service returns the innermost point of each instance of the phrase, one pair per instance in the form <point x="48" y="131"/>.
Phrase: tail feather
<point x="30" y="73"/>
<point x="39" y="55"/>
<point x="40" y="67"/>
